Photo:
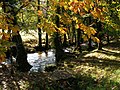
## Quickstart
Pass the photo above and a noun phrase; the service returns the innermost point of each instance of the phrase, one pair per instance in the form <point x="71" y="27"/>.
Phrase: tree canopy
<point x="26" y="13"/>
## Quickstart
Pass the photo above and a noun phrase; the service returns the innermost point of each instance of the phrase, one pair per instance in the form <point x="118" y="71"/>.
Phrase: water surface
<point x="40" y="60"/>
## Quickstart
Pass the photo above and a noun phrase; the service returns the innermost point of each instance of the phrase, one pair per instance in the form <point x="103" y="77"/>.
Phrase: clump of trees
<point x="70" y="22"/>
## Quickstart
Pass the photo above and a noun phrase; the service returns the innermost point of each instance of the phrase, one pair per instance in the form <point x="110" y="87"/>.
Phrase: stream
<point x="40" y="60"/>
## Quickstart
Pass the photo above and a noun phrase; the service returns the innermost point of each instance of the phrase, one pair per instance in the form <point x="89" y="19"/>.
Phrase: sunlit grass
<point x="107" y="54"/>
<point x="105" y="78"/>
<point x="111" y="50"/>
<point x="101" y="65"/>
<point x="98" y="73"/>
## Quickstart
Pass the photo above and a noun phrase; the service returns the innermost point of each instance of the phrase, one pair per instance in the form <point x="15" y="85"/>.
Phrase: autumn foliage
<point x="7" y="30"/>
<point x="74" y="10"/>
<point x="70" y="10"/>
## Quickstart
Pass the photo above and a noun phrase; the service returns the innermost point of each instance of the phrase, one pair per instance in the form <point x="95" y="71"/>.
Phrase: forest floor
<point x="94" y="70"/>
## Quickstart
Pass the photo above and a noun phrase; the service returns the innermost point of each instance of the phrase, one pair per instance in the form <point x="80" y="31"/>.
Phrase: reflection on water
<point x="41" y="59"/>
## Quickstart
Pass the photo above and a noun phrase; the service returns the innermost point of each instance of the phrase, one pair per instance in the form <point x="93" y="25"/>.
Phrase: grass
<point x="95" y="70"/>
<point x="101" y="66"/>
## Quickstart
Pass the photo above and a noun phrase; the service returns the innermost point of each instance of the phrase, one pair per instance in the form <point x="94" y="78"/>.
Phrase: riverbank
<point x="95" y="70"/>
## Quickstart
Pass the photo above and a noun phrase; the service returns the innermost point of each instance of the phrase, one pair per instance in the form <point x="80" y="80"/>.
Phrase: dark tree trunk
<point x="108" y="39"/>
<point x="73" y="32"/>
<point x="21" y="58"/>
<point x="79" y="40"/>
<point x="65" y="41"/>
<point x="58" y="47"/>
<point x="57" y="39"/>
<point x="99" y="35"/>
<point x="90" y="44"/>
<point x="100" y="44"/>
<point x="46" y="43"/>
<point x="89" y="40"/>
<point x="40" y="39"/>
<point x="69" y="38"/>
<point x="39" y="31"/>
<point x="75" y="39"/>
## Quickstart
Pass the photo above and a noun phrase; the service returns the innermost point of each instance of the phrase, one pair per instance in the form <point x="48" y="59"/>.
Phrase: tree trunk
<point x="39" y="31"/>
<point x="108" y="39"/>
<point x="89" y="40"/>
<point x="46" y="43"/>
<point x="75" y="38"/>
<point x="40" y="39"/>
<point x="21" y="58"/>
<point x="69" y="38"/>
<point x="99" y="35"/>
<point x="58" y="47"/>
<point x="90" y="44"/>
<point x="100" y="44"/>
<point x="65" y="41"/>
<point x="57" y="39"/>
<point x="78" y="40"/>
<point x="73" y="32"/>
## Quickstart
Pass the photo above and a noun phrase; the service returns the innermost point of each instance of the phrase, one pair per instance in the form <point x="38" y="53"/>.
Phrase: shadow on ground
<point x="86" y="72"/>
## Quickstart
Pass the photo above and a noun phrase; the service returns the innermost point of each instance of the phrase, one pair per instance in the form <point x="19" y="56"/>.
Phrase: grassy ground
<point x="95" y="70"/>
<point x="100" y="69"/>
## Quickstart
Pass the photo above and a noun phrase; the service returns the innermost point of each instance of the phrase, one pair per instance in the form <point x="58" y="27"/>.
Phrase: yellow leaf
<point x="83" y="27"/>
<point x="92" y="30"/>
<point x="86" y="9"/>
<point x="74" y="18"/>
<point x="5" y="27"/>
<point x="62" y="3"/>
<point x="85" y="37"/>
<point x="92" y="4"/>
<point x="50" y="30"/>
<point x="15" y="29"/>
<point x="65" y="7"/>
<point x="98" y="11"/>
<point x="24" y="1"/>
<point x="82" y="13"/>
<point x="102" y="18"/>
<point x="71" y="7"/>
<point x="104" y="9"/>
<point x="77" y="26"/>
<point x="40" y="12"/>
<point x="2" y="57"/>
<point x="96" y="1"/>
<point x="87" y="1"/>
<point x="94" y="14"/>
<point x="95" y="39"/>
<point x="88" y="32"/>
<point x="61" y="30"/>
<point x="1" y="17"/>
<point x="0" y="25"/>
<point x="6" y="36"/>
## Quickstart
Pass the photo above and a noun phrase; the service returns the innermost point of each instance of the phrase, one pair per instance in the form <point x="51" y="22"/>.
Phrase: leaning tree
<point x="11" y="8"/>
